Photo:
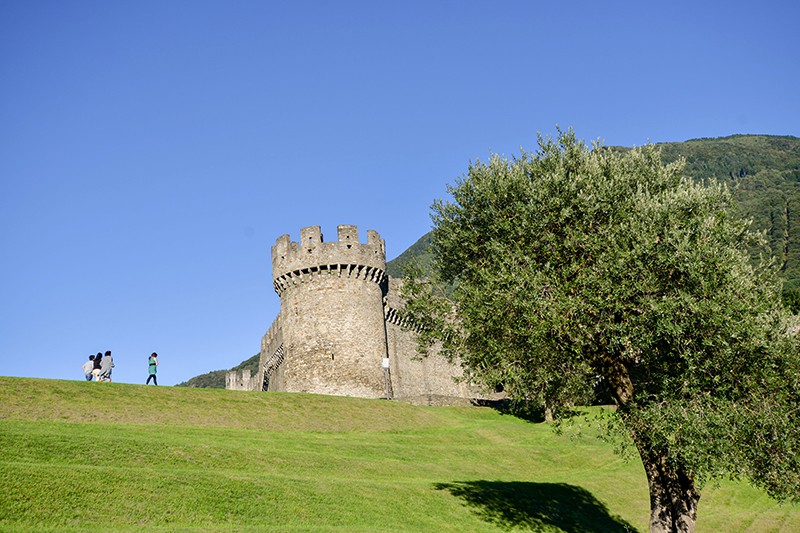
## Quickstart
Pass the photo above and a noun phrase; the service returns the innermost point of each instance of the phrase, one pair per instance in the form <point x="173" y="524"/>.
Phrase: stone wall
<point x="270" y="366"/>
<point x="417" y="379"/>
<point x="241" y="380"/>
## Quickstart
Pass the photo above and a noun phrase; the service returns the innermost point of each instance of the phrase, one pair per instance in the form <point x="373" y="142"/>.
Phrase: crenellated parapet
<point x="295" y="263"/>
<point x="271" y="336"/>
<point x="241" y="380"/>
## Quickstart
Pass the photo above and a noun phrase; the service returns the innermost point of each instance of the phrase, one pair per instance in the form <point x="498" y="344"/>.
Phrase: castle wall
<point x="419" y="379"/>
<point x="423" y="380"/>
<point x="271" y="376"/>
<point x="241" y="380"/>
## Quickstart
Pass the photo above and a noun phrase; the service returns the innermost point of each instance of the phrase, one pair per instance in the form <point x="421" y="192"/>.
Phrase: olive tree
<point x="579" y="264"/>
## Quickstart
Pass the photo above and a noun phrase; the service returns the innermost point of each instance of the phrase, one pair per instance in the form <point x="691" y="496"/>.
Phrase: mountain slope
<point x="763" y="173"/>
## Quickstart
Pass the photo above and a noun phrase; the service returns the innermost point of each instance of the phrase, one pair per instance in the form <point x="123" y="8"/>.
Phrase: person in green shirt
<point x="152" y="368"/>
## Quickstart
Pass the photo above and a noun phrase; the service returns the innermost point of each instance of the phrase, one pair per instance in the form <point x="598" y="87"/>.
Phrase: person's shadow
<point x="536" y="506"/>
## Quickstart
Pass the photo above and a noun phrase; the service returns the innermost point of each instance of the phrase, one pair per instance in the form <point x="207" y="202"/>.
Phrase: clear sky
<point x="152" y="151"/>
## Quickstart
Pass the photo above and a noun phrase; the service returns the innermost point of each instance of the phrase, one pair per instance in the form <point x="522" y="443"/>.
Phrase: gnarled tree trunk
<point x="673" y="496"/>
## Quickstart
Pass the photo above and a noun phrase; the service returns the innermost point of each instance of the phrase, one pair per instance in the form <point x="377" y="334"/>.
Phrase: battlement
<point x="312" y="255"/>
<point x="271" y="334"/>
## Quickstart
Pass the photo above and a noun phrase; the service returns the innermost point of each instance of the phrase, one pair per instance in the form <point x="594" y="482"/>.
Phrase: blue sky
<point x="151" y="152"/>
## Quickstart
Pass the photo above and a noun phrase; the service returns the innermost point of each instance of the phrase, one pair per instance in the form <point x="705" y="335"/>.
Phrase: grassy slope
<point x="96" y="456"/>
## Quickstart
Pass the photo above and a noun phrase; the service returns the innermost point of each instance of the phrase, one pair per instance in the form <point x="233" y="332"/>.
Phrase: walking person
<point x="88" y="366"/>
<point x="98" y="359"/>
<point x="105" y="366"/>
<point x="152" y="368"/>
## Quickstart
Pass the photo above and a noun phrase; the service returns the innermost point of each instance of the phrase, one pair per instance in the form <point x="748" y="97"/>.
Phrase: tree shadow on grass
<point x="536" y="506"/>
<point x="524" y="410"/>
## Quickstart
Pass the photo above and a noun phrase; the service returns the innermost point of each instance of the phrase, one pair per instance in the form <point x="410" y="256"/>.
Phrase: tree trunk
<point x="673" y="497"/>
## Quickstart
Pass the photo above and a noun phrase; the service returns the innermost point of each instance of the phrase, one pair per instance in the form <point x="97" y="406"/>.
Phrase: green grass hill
<point x="82" y="456"/>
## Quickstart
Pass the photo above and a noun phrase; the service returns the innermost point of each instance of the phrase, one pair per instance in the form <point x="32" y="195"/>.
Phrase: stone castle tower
<point x="339" y="328"/>
<point x="332" y="306"/>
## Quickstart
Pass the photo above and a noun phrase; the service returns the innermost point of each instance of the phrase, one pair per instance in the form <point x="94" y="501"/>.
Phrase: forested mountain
<point x="420" y="252"/>
<point x="763" y="172"/>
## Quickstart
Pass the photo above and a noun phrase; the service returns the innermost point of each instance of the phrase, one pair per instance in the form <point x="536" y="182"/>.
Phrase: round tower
<point x="332" y="315"/>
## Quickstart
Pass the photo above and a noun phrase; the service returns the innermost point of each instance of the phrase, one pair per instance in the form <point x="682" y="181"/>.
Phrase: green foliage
<point x="83" y="456"/>
<point x="574" y="263"/>
<point x="764" y="175"/>
<point x="216" y="378"/>
<point x="418" y="253"/>
<point x="735" y="158"/>
<point x="210" y="380"/>
<point x="791" y="299"/>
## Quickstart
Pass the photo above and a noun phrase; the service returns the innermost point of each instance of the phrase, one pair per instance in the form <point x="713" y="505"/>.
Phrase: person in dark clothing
<point x="98" y="359"/>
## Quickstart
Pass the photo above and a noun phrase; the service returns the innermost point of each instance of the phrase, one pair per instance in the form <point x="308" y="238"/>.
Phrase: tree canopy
<point x="577" y="265"/>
